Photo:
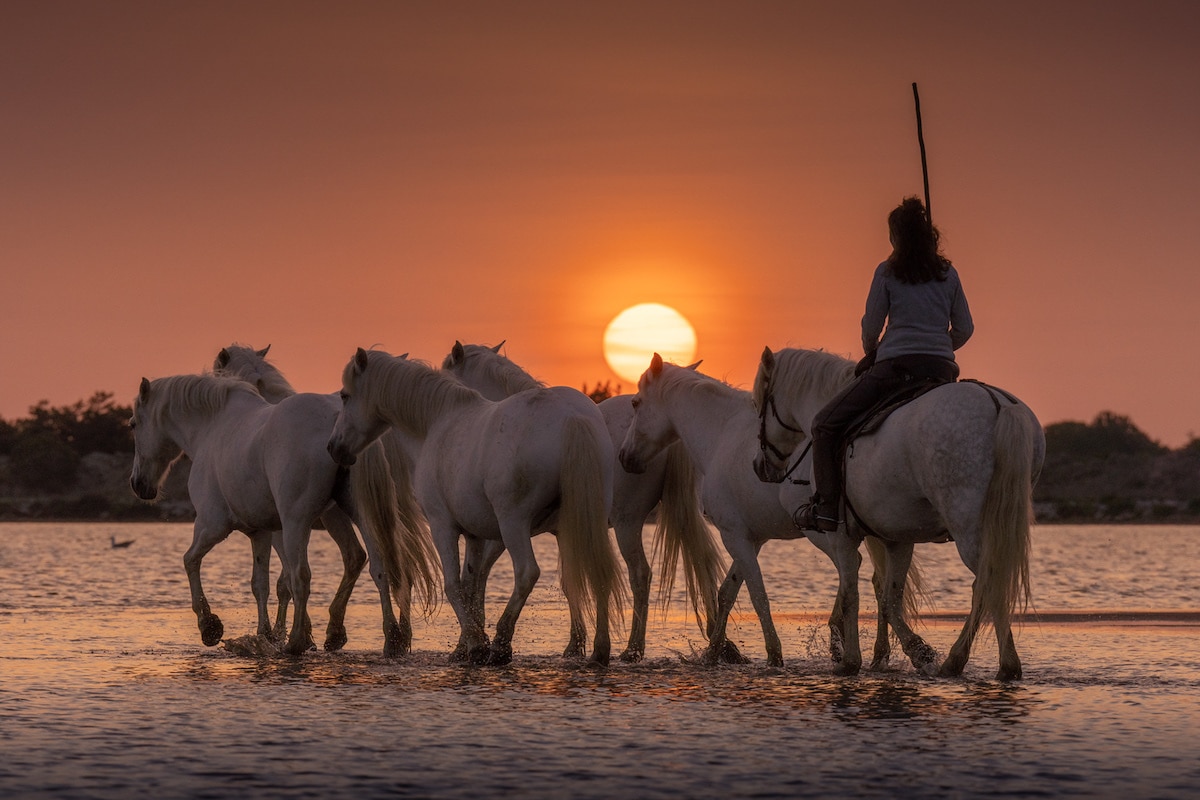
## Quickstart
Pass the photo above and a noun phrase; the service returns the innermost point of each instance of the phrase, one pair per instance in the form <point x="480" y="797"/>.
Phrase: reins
<point x="764" y="443"/>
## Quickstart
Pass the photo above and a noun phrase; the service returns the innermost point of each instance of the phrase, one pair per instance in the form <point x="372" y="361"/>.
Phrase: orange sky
<point x="176" y="177"/>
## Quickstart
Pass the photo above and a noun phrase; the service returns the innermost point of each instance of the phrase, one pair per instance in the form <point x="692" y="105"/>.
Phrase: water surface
<point x="106" y="690"/>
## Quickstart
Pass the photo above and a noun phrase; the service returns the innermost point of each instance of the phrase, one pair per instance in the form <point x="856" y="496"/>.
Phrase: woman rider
<point x="918" y="293"/>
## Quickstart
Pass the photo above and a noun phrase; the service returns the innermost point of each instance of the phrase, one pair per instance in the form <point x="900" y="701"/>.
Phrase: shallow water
<point x="106" y="690"/>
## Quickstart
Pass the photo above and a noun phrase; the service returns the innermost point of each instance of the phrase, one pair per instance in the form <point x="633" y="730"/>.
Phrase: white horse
<point x="507" y="470"/>
<point x="250" y="365"/>
<point x="958" y="463"/>
<point x="717" y="426"/>
<point x="260" y="468"/>
<point x="669" y="477"/>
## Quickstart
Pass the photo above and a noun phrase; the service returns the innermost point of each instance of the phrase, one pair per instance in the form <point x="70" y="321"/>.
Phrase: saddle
<point x="873" y="418"/>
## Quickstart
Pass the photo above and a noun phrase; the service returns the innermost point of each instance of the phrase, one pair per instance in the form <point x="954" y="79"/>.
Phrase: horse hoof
<point x="631" y="656"/>
<point x="845" y="669"/>
<point x="478" y="655"/>
<point x="730" y="654"/>
<point x="499" y="655"/>
<point x="573" y="651"/>
<point x="1008" y="674"/>
<point x="878" y="665"/>
<point x="211" y="630"/>
<point x="335" y="640"/>
<point x="775" y="661"/>
<point x="599" y="659"/>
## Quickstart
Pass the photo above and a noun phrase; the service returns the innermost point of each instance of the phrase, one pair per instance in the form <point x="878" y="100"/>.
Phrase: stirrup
<point x="807" y="518"/>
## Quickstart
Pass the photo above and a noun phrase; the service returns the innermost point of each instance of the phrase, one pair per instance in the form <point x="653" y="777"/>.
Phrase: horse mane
<point x="244" y="363"/>
<point x="409" y="393"/>
<point x="690" y="380"/>
<point x="194" y="394"/>
<point x="807" y="372"/>
<point x="506" y="373"/>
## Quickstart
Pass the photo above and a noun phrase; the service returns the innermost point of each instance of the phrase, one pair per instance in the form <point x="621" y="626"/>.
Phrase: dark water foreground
<point x="105" y="691"/>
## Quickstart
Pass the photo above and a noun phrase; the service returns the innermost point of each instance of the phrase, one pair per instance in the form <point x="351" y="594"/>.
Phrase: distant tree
<point x="602" y="392"/>
<point x="97" y="425"/>
<point x="8" y="437"/>
<point x="1108" y="435"/>
<point x="42" y="461"/>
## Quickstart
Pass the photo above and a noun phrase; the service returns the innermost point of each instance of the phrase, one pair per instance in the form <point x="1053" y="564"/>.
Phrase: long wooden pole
<point x="924" y="164"/>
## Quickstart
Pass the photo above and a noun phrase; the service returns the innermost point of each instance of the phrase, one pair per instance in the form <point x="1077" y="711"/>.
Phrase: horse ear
<point x="222" y="359"/>
<point x="696" y="366"/>
<point x="768" y="358"/>
<point x="403" y="356"/>
<point x="360" y="359"/>
<point x="263" y="353"/>
<point x="656" y="364"/>
<point x="144" y="389"/>
<point x="496" y="349"/>
<point x="458" y="353"/>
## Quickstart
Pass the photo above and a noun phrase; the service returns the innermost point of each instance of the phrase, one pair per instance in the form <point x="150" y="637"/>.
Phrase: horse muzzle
<point x="631" y="462"/>
<point x="144" y="489"/>
<point x="340" y="453"/>
<point x="766" y="471"/>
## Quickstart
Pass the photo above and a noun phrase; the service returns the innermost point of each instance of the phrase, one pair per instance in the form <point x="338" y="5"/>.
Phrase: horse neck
<point x="497" y="378"/>
<point x="190" y="426"/>
<point x="699" y="413"/>
<point x="799" y="395"/>
<point x="413" y="397"/>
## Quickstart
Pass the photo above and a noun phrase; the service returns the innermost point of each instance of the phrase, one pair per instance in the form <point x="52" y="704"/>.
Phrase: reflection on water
<point x="105" y="691"/>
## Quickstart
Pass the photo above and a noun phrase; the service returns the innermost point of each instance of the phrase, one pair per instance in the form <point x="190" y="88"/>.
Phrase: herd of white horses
<point x="453" y="466"/>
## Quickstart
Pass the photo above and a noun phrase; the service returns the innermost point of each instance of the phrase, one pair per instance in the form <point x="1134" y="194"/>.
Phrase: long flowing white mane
<point x="805" y="373"/>
<point x="248" y="364"/>
<point x="192" y="395"/>
<point x="496" y="368"/>
<point x="409" y="393"/>
<point x="689" y="380"/>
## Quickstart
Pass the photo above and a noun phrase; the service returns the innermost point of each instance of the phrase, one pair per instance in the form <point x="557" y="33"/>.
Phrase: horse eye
<point x="345" y="397"/>
<point x="637" y="401"/>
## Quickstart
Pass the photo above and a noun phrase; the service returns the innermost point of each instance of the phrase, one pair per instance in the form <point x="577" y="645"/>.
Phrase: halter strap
<point x="765" y="444"/>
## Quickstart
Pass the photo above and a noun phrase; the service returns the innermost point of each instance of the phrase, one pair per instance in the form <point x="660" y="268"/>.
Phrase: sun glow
<point x="640" y="331"/>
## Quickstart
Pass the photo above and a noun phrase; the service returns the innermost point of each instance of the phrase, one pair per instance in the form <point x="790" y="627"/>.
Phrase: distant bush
<point x="42" y="462"/>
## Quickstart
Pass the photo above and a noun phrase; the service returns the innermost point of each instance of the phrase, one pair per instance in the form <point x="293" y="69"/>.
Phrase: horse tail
<point x="383" y="495"/>
<point x="587" y="565"/>
<point x="1003" y="572"/>
<point x="682" y="531"/>
<point x="916" y="595"/>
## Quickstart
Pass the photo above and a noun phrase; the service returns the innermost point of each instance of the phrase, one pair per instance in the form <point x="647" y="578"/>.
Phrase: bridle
<point x="764" y="444"/>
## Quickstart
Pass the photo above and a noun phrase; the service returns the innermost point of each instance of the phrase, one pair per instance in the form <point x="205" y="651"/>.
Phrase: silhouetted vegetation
<point x="1111" y="471"/>
<point x="602" y="392"/>
<point x="73" y="462"/>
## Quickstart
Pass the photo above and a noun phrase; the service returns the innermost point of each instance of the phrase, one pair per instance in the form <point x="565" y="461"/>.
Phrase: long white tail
<point x="1003" y="574"/>
<point x="383" y="495"/>
<point x="587" y="565"/>
<point x="682" y="531"/>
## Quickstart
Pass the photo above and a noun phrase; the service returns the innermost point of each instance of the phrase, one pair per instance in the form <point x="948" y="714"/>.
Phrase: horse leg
<point x="295" y="544"/>
<point x="891" y="607"/>
<point x="745" y="554"/>
<point x="204" y="537"/>
<point x="472" y="642"/>
<point x="956" y="661"/>
<point x="629" y="540"/>
<point x="260" y="581"/>
<point x="848" y="560"/>
<point x="720" y="649"/>
<point x="1010" y="662"/>
<point x="481" y="556"/>
<point x="525" y="575"/>
<point x="283" y="590"/>
<point x="341" y="530"/>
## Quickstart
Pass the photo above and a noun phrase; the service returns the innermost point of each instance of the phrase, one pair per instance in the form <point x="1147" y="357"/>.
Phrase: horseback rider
<point x="918" y="293"/>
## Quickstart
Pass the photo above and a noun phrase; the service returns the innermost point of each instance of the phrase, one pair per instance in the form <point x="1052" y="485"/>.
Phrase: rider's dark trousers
<point x="829" y="426"/>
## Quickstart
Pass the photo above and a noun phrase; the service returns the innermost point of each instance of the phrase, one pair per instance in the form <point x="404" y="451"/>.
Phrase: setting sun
<point x="640" y="331"/>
